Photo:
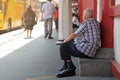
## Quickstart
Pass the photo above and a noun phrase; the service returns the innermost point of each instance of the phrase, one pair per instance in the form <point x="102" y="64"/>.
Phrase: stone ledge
<point x="98" y="66"/>
<point x="105" y="53"/>
<point x="95" y="68"/>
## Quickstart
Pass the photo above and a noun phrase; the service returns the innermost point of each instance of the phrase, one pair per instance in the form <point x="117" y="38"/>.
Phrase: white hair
<point x="88" y="12"/>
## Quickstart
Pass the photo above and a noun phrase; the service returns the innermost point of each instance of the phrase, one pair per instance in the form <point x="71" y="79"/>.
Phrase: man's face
<point x="84" y="17"/>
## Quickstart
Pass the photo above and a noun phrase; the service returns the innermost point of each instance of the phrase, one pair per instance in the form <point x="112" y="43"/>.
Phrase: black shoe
<point x="71" y="65"/>
<point x="50" y="37"/>
<point x="66" y="73"/>
<point x="45" y="36"/>
<point x="63" y="68"/>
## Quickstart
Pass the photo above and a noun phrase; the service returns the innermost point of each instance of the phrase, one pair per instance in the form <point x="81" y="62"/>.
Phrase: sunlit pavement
<point x="36" y="58"/>
<point x="13" y="40"/>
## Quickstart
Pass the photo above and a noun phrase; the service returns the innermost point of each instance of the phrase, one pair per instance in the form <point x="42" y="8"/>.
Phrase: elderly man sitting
<point x="86" y="47"/>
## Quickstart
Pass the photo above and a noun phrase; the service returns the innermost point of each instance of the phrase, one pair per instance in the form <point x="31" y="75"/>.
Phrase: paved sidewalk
<point x="33" y="59"/>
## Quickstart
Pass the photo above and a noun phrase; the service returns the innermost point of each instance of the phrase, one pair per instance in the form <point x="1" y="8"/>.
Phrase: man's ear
<point x="85" y="17"/>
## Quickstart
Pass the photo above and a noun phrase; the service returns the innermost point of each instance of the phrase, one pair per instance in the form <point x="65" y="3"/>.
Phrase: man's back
<point x="48" y="9"/>
<point x="90" y="40"/>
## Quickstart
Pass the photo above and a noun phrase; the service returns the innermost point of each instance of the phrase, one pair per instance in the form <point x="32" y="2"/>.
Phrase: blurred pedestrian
<point x="47" y="15"/>
<point x="56" y="14"/>
<point x="75" y="21"/>
<point x="29" y="20"/>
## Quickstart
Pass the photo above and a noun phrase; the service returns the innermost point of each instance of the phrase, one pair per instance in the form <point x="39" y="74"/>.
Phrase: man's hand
<point x="72" y="36"/>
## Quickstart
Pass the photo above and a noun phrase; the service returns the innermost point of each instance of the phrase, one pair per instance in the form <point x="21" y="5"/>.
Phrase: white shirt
<point x="75" y="21"/>
<point x="48" y="10"/>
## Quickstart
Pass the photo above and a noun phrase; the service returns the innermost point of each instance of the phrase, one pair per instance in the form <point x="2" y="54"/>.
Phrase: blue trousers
<point x="69" y="49"/>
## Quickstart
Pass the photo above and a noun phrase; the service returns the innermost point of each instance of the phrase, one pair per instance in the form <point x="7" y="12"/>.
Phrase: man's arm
<point x="42" y="14"/>
<point x="55" y="3"/>
<point x="72" y="36"/>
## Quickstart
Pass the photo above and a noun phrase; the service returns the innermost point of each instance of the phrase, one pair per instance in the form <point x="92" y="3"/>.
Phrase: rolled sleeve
<point x="81" y="29"/>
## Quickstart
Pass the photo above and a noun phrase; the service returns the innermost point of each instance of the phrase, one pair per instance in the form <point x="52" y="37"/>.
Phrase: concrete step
<point x="95" y="68"/>
<point x="99" y="66"/>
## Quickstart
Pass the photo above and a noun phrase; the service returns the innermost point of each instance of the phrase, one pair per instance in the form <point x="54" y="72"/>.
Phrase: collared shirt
<point x="48" y="9"/>
<point x="91" y="40"/>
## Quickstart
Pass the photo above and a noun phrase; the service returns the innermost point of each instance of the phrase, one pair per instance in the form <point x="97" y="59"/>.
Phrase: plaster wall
<point x="117" y="2"/>
<point x="117" y="35"/>
<point x="117" y="38"/>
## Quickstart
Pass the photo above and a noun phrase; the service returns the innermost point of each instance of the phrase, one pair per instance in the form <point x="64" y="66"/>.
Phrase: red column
<point x="107" y="20"/>
<point x="115" y="12"/>
<point x="107" y="24"/>
<point x="82" y="4"/>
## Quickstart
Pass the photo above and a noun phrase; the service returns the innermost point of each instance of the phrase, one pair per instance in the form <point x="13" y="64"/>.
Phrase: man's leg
<point x="65" y="66"/>
<point x="46" y="28"/>
<point x="66" y="53"/>
<point x="50" y="28"/>
<point x="66" y="56"/>
<point x="56" y="25"/>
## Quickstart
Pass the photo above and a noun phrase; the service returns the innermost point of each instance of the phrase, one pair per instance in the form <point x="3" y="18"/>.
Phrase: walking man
<point x="47" y="15"/>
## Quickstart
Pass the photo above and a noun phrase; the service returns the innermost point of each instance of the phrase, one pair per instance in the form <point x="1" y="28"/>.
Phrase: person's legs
<point x="27" y="33"/>
<point x="56" y="24"/>
<point x="68" y="49"/>
<point x="50" y="22"/>
<point x="65" y="52"/>
<point x="65" y="66"/>
<point x="30" y="33"/>
<point x="46" y="28"/>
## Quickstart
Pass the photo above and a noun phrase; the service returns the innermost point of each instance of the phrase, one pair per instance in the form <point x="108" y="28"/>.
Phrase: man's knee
<point x="62" y="47"/>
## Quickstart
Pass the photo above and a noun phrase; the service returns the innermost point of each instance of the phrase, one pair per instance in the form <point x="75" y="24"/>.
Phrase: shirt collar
<point x="90" y="19"/>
